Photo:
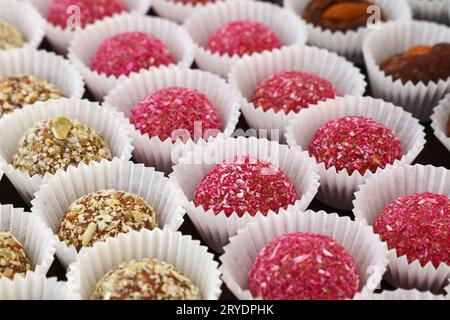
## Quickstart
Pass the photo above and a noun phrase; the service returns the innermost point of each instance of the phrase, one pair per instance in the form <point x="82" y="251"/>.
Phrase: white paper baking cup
<point x="26" y="19"/>
<point x="55" y="197"/>
<point x="250" y="71"/>
<point x="112" y="126"/>
<point x="398" y="37"/>
<point x="33" y="287"/>
<point x="369" y="253"/>
<point x="35" y="237"/>
<point x="214" y="229"/>
<point x="399" y="294"/>
<point x="337" y="188"/>
<point x="433" y="10"/>
<point x="185" y="254"/>
<point x="289" y="28"/>
<point x="178" y="11"/>
<point x="86" y="42"/>
<point x="60" y="38"/>
<point x="163" y="154"/>
<point x="348" y="44"/>
<point x="439" y="121"/>
<point x="381" y="190"/>
<point x="43" y="64"/>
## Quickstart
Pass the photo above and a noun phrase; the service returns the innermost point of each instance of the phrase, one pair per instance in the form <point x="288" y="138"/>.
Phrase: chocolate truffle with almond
<point x="100" y="215"/>
<point x="13" y="258"/>
<point x="145" y="279"/>
<point x="421" y="63"/>
<point x="58" y="143"/>
<point x="339" y="15"/>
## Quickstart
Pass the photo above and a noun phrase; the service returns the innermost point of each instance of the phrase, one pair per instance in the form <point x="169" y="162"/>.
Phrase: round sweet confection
<point x="17" y="91"/>
<point x="100" y="215"/>
<point x="146" y="279"/>
<point x="59" y="11"/>
<point x="130" y="52"/>
<point x="10" y="37"/>
<point x="339" y="15"/>
<point x="304" y="266"/>
<point x="13" y="259"/>
<point x="245" y="184"/>
<point x="355" y="144"/>
<point x="58" y="143"/>
<point x="242" y="37"/>
<point x="417" y="226"/>
<point x="176" y="112"/>
<point x="292" y="91"/>
<point x="421" y="63"/>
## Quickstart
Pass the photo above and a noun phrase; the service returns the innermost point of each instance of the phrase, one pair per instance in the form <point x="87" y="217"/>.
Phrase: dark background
<point x="434" y="153"/>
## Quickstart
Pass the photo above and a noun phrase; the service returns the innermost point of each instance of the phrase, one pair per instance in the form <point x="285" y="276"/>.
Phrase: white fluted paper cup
<point x="185" y="254"/>
<point x="433" y="10"/>
<point x="177" y="10"/>
<point x="369" y="253"/>
<point x="440" y="120"/>
<point x="113" y="127"/>
<point x="289" y="28"/>
<point x="216" y="229"/>
<point x="54" y="198"/>
<point x="398" y="37"/>
<point x="86" y="42"/>
<point x="152" y="150"/>
<point x="45" y="65"/>
<point x="348" y="44"/>
<point x="337" y="188"/>
<point x="399" y="294"/>
<point x="381" y="190"/>
<point x="26" y="19"/>
<point x="60" y="38"/>
<point x="32" y="233"/>
<point x="250" y="71"/>
<point x="33" y="287"/>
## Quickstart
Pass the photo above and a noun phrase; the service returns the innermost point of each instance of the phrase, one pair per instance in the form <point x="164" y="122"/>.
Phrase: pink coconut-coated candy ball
<point x="130" y="52"/>
<point x="304" y="266"/>
<point x="356" y="144"/>
<point x="242" y="37"/>
<point x="59" y="12"/>
<point x="175" y="113"/>
<point x="245" y="184"/>
<point x="292" y="91"/>
<point x="417" y="226"/>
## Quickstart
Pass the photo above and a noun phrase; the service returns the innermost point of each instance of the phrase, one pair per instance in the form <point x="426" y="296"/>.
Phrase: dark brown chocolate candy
<point x="420" y="64"/>
<point x="339" y="15"/>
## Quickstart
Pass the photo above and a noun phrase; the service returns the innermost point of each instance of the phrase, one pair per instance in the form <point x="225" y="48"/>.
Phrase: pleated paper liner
<point x="43" y="64"/>
<point x="349" y="44"/>
<point x="250" y="71"/>
<point x="433" y="10"/>
<point x="33" y="287"/>
<point x="440" y="121"/>
<point x="381" y="190"/>
<point x="400" y="294"/>
<point x="26" y="19"/>
<point x="289" y="28"/>
<point x="34" y="236"/>
<point x="113" y="127"/>
<point x="86" y="42"/>
<point x="214" y="229"/>
<point x="395" y="38"/>
<point x="185" y="254"/>
<point x="178" y="11"/>
<point x="337" y="188"/>
<point x="369" y="253"/>
<point x="60" y="38"/>
<point x="164" y="154"/>
<point x="55" y="197"/>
